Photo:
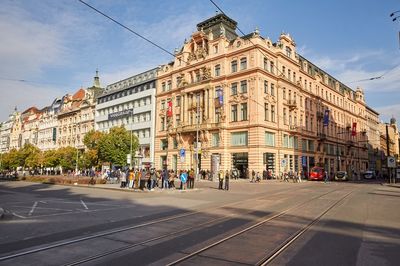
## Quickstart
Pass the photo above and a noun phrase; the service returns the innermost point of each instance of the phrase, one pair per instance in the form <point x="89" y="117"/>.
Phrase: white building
<point x="5" y="133"/>
<point x="131" y="103"/>
<point x="47" y="134"/>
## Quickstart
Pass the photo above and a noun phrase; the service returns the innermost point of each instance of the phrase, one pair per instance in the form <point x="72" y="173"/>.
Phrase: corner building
<point x="254" y="105"/>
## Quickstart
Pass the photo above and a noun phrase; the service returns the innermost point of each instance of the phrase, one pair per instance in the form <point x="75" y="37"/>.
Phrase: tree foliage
<point x="114" y="146"/>
<point x="102" y="147"/>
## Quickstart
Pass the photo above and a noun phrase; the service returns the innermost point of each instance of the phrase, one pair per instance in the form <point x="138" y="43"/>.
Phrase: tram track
<point x="270" y="256"/>
<point x="61" y="244"/>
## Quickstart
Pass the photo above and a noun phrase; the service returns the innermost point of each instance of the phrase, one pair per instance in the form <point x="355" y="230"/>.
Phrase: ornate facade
<point x="47" y="135"/>
<point x="255" y="105"/>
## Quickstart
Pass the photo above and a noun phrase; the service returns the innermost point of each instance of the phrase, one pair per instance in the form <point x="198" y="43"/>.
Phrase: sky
<point x="50" y="48"/>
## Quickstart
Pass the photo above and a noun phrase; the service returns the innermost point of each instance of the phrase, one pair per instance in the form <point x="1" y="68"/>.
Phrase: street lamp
<point x="197" y="135"/>
<point x="130" y="153"/>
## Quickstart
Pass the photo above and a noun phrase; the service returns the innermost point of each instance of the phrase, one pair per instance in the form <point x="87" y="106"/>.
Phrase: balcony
<point x="321" y="136"/>
<point x="350" y="143"/>
<point x="292" y="104"/>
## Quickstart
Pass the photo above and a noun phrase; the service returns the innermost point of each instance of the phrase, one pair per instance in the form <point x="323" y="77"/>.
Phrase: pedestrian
<point x="123" y="179"/>
<point x="165" y="179"/>
<point x="191" y="179"/>
<point x="326" y="177"/>
<point x="253" y="176"/>
<point x="131" y="177"/>
<point x="153" y="178"/>
<point x="183" y="178"/>
<point x="258" y="177"/>
<point x="227" y="180"/>
<point x="171" y="179"/>
<point x="221" y="179"/>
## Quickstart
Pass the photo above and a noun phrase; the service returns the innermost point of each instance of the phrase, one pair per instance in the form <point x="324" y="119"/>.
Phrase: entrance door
<point x="240" y="161"/>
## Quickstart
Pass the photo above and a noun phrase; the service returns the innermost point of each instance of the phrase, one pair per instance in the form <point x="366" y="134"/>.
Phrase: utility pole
<point x="130" y="161"/>
<point x="388" y="152"/>
<point x="197" y="134"/>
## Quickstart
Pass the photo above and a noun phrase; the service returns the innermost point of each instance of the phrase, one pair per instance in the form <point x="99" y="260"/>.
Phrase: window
<point x="243" y="63"/>
<point x="175" y="143"/>
<point x="284" y="71"/>
<point x="168" y="85"/>
<point x="265" y="64"/>
<point x="215" y="139"/>
<point x="178" y="101"/>
<point x="288" y="52"/>
<point x="270" y="139"/>
<point x="285" y="141"/>
<point x="243" y="111"/>
<point x="284" y="93"/>
<point x="239" y="138"/>
<point x="284" y="116"/>
<point x="234" y="89"/>
<point x="272" y="67"/>
<point x="243" y="86"/>
<point x="289" y="74"/>
<point x="272" y="89"/>
<point x="163" y="124"/>
<point x="162" y="105"/>
<point x="266" y="111"/>
<point x="164" y="144"/>
<point x="217" y="70"/>
<point x="234" y="66"/>
<point x="234" y="113"/>
<point x="265" y="86"/>
<point x="273" y="113"/>
<point x="178" y="119"/>
<point x="216" y="49"/>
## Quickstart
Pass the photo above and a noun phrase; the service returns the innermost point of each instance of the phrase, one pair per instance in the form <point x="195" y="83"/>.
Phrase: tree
<point x="11" y="160"/>
<point x="114" y="146"/>
<point x="67" y="157"/>
<point x="91" y="140"/>
<point x="29" y="156"/>
<point x="51" y="158"/>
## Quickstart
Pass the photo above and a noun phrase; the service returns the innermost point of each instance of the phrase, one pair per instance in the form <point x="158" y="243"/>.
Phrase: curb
<point x="1" y="213"/>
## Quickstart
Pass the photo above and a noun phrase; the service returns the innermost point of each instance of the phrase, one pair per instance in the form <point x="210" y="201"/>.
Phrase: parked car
<point x="317" y="173"/>
<point x="369" y="174"/>
<point x="341" y="176"/>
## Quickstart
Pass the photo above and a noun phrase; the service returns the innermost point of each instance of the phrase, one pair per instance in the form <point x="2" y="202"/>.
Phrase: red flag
<point x="169" y="111"/>
<point x="354" y="129"/>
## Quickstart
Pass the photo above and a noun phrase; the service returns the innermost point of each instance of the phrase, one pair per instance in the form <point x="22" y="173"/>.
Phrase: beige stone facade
<point x="260" y="106"/>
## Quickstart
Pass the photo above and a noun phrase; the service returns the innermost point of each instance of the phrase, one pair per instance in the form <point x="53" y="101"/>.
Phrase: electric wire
<point x="129" y="29"/>
<point x="377" y="77"/>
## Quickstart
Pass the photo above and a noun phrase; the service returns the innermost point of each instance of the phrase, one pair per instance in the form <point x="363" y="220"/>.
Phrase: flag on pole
<point x="354" y="129"/>
<point x="169" y="110"/>
<point x="326" y="118"/>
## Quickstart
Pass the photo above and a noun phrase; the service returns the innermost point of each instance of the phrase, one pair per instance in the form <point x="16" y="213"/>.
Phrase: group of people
<point x="224" y="177"/>
<point x="151" y="178"/>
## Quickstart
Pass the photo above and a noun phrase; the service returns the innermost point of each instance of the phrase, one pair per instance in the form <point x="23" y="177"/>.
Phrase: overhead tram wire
<point x="377" y="77"/>
<point x="262" y="52"/>
<point x="30" y="81"/>
<point x="129" y="29"/>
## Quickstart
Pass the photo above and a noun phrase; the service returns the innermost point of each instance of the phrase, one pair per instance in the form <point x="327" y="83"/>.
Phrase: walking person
<point x="227" y="176"/>
<point x="221" y="179"/>
<point x="153" y="178"/>
<point x="253" y="176"/>
<point x="326" y="177"/>
<point x="191" y="179"/>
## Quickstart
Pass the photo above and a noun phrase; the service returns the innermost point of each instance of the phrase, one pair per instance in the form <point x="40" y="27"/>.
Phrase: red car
<point x="317" y="173"/>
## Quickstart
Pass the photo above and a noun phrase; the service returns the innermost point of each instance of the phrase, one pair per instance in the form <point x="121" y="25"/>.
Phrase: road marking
<point x="33" y="208"/>
<point x="84" y="205"/>
<point x="42" y="202"/>
<point x="19" y="216"/>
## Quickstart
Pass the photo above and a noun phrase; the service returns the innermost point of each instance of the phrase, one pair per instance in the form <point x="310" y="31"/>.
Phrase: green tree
<point x="11" y="160"/>
<point x="29" y="156"/>
<point x="51" y="158"/>
<point x="91" y="140"/>
<point x="114" y="146"/>
<point x="67" y="158"/>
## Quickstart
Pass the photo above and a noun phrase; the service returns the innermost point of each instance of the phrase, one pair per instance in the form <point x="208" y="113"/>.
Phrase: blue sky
<point x="57" y="45"/>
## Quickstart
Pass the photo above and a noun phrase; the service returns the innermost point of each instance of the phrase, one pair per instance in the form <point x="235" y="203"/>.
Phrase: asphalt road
<point x="307" y="223"/>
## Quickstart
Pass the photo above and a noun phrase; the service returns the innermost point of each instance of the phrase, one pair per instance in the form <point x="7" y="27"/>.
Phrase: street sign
<point x="391" y="162"/>
<point x="182" y="152"/>
<point x="284" y="162"/>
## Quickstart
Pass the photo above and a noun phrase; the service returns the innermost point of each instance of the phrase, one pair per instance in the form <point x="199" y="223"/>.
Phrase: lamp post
<point x="197" y="135"/>
<point x="130" y="152"/>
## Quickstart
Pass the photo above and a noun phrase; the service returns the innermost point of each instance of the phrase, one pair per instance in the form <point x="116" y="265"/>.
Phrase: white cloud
<point x="387" y="112"/>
